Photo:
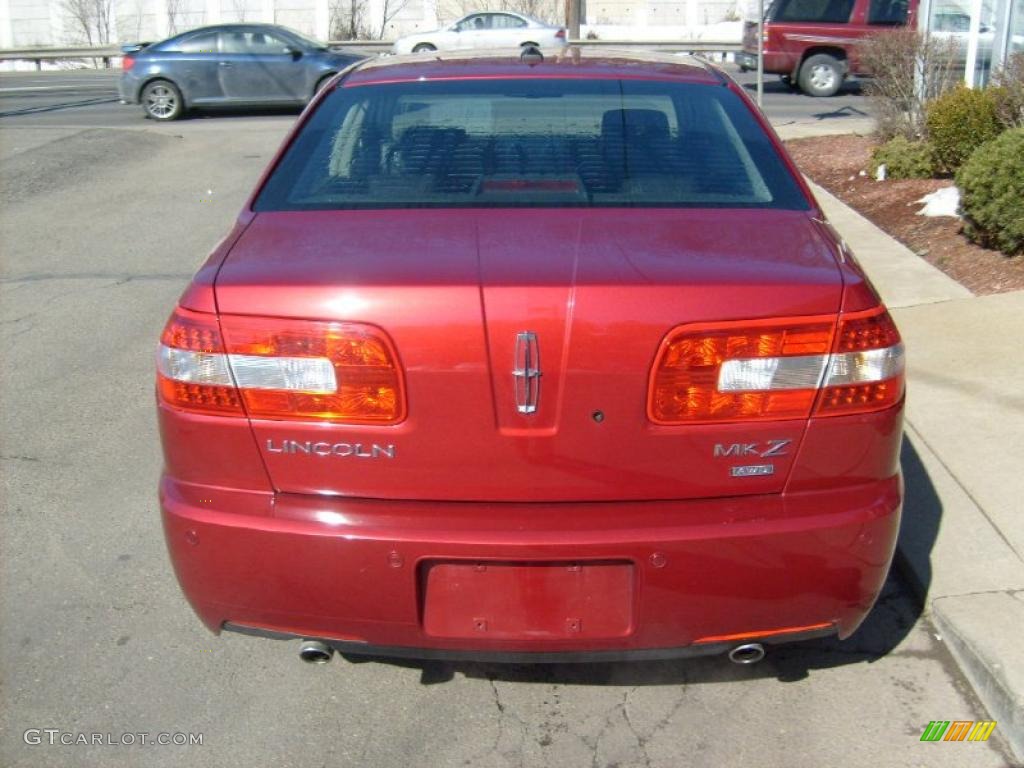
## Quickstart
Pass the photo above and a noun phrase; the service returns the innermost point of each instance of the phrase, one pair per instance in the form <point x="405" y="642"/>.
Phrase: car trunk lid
<point x="526" y="339"/>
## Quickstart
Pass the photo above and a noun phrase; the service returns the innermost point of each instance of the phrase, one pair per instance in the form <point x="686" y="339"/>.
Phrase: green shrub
<point x="904" y="159"/>
<point x="960" y="121"/>
<point x="991" y="186"/>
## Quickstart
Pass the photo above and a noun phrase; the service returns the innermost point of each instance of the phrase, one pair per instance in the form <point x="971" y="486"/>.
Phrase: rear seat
<point x="634" y="143"/>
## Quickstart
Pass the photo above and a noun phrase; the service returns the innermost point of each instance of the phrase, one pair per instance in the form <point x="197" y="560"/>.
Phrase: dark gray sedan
<point x="227" y="65"/>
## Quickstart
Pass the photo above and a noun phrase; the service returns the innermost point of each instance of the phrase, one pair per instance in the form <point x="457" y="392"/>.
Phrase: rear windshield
<point x="530" y="143"/>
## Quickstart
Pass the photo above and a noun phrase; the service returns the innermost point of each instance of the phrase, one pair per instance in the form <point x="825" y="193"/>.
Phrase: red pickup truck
<point x="812" y="44"/>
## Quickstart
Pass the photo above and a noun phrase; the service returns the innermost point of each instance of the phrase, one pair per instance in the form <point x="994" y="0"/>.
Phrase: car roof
<point x="517" y="14"/>
<point x="240" y="25"/>
<point x="570" y="62"/>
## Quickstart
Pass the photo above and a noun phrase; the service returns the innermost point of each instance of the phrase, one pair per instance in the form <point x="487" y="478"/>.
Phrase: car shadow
<point x="919" y="527"/>
<point x="894" y="615"/>
<point x="774" y="85"/>
<point x="207" y="113"/>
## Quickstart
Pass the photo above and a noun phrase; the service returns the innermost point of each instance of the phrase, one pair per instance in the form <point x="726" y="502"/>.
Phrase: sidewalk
<point x="962" y="537"/>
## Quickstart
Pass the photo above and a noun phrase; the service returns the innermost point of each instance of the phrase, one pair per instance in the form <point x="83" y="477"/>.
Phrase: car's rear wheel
<point x="528" y="44"/>
<point x="424" y="48"/>
<point x="821" y="75"/>
<point x="161" y="100"/>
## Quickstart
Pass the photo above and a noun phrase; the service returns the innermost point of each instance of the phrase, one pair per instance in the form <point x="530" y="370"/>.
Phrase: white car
<point x="498" y="29"/>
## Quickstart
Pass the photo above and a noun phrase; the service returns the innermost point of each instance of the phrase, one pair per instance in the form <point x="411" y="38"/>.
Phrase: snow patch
<point x="942" y="202"/>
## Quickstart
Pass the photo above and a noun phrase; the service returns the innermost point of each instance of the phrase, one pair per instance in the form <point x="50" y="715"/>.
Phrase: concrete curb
<point x="981" y="630"/>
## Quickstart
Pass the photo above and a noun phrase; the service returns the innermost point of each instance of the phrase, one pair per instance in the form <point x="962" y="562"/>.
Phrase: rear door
<point x="506" y="30"/>
<point x="192" y="64"/>
<point x="473" y="32"/>
<point x="804" y="24"/>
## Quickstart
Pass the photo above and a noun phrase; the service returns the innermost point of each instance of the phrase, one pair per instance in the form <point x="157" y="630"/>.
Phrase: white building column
<point x="163" y="22"/>
<point x="321" y="20"/>
<point x="973" y="39"/>
<point x="267" y="11"/>
<point x="692" y="16"/>
<point x="213" y="11"/>
<point x="375" y="16"/>
<point x="59" y="24"/>
<point x="6" y="33"/>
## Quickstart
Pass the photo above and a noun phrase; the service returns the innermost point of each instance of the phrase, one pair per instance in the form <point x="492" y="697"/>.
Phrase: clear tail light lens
<point x="866" y="370"/>
<point x="280" y="369"/>
<point x="192" y="367"/>
<point x="777" y="369"/>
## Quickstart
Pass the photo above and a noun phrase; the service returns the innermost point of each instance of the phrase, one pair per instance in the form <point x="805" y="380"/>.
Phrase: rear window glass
<point x="888" y="12"/>
<point x="823" y="11"/>
<point x="205" y="42"/>
<point x="546" y="143"/>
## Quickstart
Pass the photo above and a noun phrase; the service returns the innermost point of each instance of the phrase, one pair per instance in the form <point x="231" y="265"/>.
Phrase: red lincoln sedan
<point x="531" y="358"/>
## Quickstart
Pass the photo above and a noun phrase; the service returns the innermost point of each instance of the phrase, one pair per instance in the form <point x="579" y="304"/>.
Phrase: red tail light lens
<point x="560" y="34"/>
<point x="280" y="369"/>
<point x="367" y="386"/>
<point x="696" y="379"/>
<point x="776" y="369"/>
<point x="127" y="62"/>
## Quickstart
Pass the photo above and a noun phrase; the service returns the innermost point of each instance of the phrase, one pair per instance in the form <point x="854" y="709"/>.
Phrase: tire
<point x="161" y="100"/>
<point x="821" y="75"/>
<point x="528" y="44"/>
<point x="424" y="48"/>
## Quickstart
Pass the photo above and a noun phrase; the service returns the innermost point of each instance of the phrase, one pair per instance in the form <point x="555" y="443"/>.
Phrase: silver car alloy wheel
<point x="161" y="101"/>
<point x="823" y="77"/>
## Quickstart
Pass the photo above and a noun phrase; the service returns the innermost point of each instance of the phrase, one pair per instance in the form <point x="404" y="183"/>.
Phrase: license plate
<point x="528" y="601"/>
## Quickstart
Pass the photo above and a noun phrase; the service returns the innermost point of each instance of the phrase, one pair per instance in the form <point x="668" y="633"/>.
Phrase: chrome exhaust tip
<point x="315" y="652"/>
<point x="749" y="653"/>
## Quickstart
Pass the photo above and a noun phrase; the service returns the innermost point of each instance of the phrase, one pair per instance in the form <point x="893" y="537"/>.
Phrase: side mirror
<point x="296" y="54"/>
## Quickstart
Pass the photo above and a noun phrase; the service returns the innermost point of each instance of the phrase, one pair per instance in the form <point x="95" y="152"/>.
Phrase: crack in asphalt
<point x="502" y="715"/>
<point x="57" y="107"/>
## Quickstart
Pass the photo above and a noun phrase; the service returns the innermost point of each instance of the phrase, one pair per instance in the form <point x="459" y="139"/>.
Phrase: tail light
<point x="560" y="34"/>
<point x="127" y="62"/>
<point x="777" y="369"/>
<point x="280" y="369"/>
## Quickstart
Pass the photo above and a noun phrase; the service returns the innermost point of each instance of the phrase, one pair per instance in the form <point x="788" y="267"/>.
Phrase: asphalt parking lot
<point x="101" y="223"/>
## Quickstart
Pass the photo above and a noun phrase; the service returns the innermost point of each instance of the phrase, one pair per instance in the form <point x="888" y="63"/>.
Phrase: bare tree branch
<point x="92" y="19"/>
<point x="347" y="20"/>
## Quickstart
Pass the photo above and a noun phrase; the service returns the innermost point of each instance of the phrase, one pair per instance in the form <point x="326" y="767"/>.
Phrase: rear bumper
<point x="705" y="574"/>
<point x="775" y="62"/>
<point x="127" y="90"/>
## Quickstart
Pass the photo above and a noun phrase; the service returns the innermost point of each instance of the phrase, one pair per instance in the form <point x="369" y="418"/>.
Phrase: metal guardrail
<point x="41" y="54"/>
<point x="69" y="52"/>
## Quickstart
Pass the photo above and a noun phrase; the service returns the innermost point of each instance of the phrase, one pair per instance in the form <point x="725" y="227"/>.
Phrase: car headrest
<point x="634" y="124"/>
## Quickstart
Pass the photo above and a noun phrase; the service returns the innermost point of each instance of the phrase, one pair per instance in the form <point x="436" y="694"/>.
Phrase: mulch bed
<point x="836" y="162"/>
